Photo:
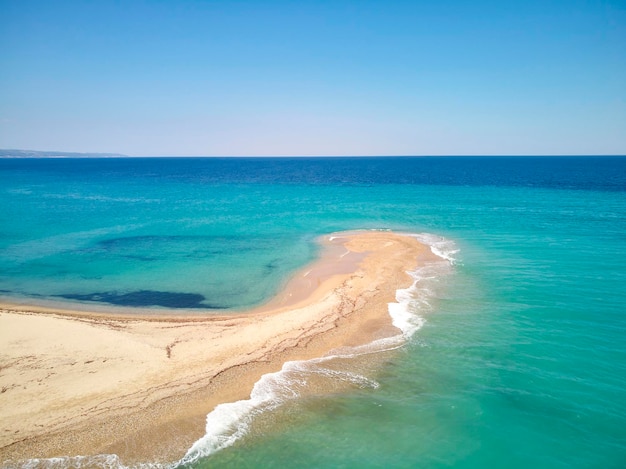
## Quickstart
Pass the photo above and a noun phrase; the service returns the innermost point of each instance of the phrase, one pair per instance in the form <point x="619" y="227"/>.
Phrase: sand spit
<point x="78" y="383"/>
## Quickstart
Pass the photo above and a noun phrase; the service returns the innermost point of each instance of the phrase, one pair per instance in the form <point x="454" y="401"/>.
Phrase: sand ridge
<point x="79" y="383"/>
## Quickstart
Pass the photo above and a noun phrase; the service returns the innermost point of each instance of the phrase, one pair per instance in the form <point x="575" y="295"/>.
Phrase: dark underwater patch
<point x="146" y="298"/>
<point x="157" y="248"/>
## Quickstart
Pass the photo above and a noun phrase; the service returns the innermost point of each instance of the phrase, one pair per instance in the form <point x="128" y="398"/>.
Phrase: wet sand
<point x="80" y="383"/>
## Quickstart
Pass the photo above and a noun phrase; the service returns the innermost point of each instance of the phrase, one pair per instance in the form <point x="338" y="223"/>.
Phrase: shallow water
<point x="521" y="359"/>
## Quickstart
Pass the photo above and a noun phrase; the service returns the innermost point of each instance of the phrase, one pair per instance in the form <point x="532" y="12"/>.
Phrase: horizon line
<point x="25" y="154"/>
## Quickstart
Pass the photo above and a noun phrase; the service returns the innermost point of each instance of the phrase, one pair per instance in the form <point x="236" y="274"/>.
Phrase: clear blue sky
<point x="314" y="77"/>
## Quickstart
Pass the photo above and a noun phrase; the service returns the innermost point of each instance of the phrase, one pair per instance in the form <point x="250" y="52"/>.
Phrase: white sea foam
<point x="414" y="301"/>
<point x="230" y="421"/>
<point x="100" y="461"/>
<point x="440" y="246"/>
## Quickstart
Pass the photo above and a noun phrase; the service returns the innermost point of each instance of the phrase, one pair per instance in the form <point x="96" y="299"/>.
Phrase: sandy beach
<point x="80" y="383"/>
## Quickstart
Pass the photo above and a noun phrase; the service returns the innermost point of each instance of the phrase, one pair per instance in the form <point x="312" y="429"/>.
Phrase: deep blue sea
<point x="520" y="360"/>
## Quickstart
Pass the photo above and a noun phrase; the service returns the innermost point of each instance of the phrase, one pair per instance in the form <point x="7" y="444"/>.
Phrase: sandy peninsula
<point x="79" y="383"/>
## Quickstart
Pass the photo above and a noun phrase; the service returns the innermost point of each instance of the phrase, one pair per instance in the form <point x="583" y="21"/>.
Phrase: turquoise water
<point x="521" y="360"/>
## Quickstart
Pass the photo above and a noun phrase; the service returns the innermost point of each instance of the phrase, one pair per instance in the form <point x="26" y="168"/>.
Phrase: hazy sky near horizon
<point x="314" y="77"/>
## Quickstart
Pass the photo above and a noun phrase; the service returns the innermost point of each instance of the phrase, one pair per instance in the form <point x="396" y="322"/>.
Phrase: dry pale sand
<point x="141" y="387"/>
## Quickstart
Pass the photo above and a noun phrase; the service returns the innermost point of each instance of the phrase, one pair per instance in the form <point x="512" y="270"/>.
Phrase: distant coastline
<point x="55" y="154"/>
<point x="14" y="153"/>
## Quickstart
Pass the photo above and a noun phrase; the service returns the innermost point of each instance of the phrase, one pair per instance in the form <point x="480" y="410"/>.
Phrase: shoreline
<point x="80" y="383"/>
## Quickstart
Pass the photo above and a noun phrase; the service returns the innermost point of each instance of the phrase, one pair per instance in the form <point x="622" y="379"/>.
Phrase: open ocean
<point x="520" y="356"/>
